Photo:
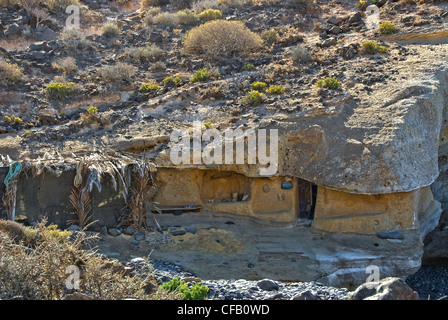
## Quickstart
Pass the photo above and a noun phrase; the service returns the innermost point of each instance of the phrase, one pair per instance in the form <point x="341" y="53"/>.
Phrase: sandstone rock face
<point x="385" y="289"/>
<point x="385" y="144"/>
<point x="342" y="212"/>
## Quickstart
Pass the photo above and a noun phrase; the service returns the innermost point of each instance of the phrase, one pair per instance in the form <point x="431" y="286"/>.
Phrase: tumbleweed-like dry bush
<point x="219" y="39"/>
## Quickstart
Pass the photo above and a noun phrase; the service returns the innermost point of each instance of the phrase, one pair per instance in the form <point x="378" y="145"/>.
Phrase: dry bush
<point x="145" y="4"/>
<point x="139" y="54"/>
<point x="300" y="54"/>
<point x="301" y="5"/>
<point x="201" y="5"/>
<point x="166" y="19"/>
<point x="66" y="65"/>
<point x="187" y="17"/>
<point x="119" y="72"/>
<point x="151" y="12"/>
<point x="75" y="41"/>
<point x="234" y="3"/>
<point x="10" y="73"/>
<point x="180" y="4"/>
<point x="62" y="5"/>
<point x="222" y="39"/>
<point x="38" y="271"/>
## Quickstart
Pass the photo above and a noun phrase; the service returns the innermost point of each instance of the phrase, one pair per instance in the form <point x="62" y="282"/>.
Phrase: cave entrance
<point x="307" y="199"/>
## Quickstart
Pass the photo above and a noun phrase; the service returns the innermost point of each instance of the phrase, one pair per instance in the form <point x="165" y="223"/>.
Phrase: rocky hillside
<point x="135" y="71"/>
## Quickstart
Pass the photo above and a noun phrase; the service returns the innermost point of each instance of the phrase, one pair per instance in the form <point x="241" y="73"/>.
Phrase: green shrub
<point x="248" y="67"/>
<point x="253" y="98"/>
<point x="13" y="120"/>
<point x="92" y="111"/>
<point x="259" y="86"/>
<point x="371" y="47"/>
<point x="177" y="81"/>
<point x="387" y="27"/>
<point x="210" y="14"/>
<point x="196" y="291"/>
<point x="222" y="39"/>
<point x="60" y="91"/>
<point x="200" y="76"/>
<point x="149" y="87"/>
<point x="276" y="89"/>
<point x="329" y="83"/>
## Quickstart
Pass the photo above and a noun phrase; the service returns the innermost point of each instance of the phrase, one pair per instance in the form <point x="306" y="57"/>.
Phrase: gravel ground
<point x="240" y="289"/>
<point x="431" y="282"/>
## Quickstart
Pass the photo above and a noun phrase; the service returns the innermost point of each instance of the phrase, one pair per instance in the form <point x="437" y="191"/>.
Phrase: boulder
<point x="267" y="285"/>
<point x="13" y="30"/>
<point x="386" y="289"/>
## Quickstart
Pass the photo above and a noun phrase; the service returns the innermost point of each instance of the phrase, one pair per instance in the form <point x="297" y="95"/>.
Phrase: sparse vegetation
<point x="253" y="98"/>
<point x="220" y="39"/>
<point x="35" y="262"/>
<point x="200" y="76"/>
<point x="276" y="89"/>
<point x="61" y="5"/>
<point x="329" y="83"/>
<point x="301" y="55"/>
<point x="121" y="71"/>
<point x="150" y="52"/>
<point x="166" y="19"/>
<point x="187" y="17"/>
<point x="149" y="87"/>
<point x="248" y="67"/>
<point x="60" y="91"/>
<point x="10" y="73"/>
<point x="371" y="47"/>
<point x="387" y="27"/>
<point x="110" y="30"/>
<point x="66" y="65"/>
<point x="270" y="36"/>
<point x="210" y="14"/>
<point x="186" y="291"/>
<point x="13" y="120"/>
<point x="258" y="85"/>
<point x="177" y="81"/>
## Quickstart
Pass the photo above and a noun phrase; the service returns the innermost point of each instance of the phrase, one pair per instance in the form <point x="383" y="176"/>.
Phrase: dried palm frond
<point x="9" y="200"/>
<point x="80" y="199"/>
<point x="137" y="204"/>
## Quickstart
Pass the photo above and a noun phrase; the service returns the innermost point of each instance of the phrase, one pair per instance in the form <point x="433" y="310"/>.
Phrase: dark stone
<point x="13" y="30"/>
<point x="355" y="18"/>
<point x="190" y="229"/>
<point x="140" y="236"/>
<point x="305" y="295"/>
<point x="114" y="232"/>
<point x="129" y="231"/>
<point x="390" y="235"/>
<point x="335" y="20"/>
<point x="178" y="232"/>
<point x="267" y="285"/>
